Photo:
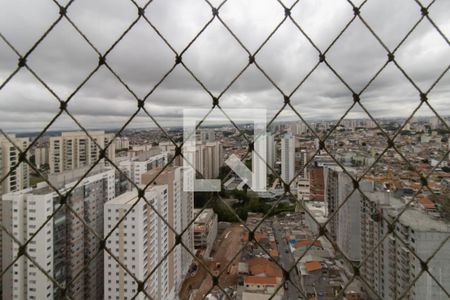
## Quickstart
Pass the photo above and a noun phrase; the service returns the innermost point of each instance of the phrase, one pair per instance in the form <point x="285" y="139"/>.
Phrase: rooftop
<point x="259" y="265"/>
<point x="260" y="280"/>
<point x="67" y="179"/>
<point x="306" y="243"/>
<point x="127" y="198"/>
<point x="257" y="296"/>
<point x="149" y="155"/>
<point x="313" y="266"/>
<point x="204" y="216"/>
<point x="426" y="202"/>
<point x="412" y="217"/>
<point x="318" y="210"/>
<point x="82" y="133"/>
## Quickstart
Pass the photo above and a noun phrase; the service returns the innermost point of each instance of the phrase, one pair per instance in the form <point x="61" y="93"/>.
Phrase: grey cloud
<point x="64" y="59"/>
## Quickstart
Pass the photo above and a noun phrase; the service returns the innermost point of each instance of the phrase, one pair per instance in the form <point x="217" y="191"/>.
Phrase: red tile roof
<point x="302" y="243"/>
<point x="312" y="266"/>
<point x="260" y="280"/>
<point x="259" y="265"/>
<point x="426" y="202"/>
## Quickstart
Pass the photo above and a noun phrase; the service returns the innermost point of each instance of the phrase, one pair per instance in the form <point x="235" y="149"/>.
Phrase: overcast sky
<point x="63" y="59"/>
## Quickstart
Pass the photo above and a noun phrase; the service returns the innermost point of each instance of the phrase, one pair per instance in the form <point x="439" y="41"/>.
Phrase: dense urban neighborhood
<point x="350" y="218"/>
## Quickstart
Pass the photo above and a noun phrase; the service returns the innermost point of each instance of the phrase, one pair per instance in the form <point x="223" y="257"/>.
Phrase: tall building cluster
<point x="396" y="262"/>
<point x="64" y="247"/>
<point x="205" y="158"/>
<point x="122" y="143"/>
<point x="66" y="232"/>
<point x="72" y="150"/>
<point x="18" y="178"/>
<point x="145" y="242"/>
<point x="344" y="207"/>
<point x="359" y="223"/>
<point x="151" y="236"/>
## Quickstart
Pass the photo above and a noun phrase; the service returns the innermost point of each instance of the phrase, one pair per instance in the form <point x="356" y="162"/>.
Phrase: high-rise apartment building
<point x="271" y="152"/>
<point x="296" y="128"/>
<point x="133" y="243"/>
<point x="179" y="216"/>
<point x="207" y="135"/>
<point x="18" y="179"/>
<point x="74" y="150"/>
<point x="345" y="225"/>
<point x="392" y="267"/>
<point x="259" y="168"/>
<point x="41" y="156"/>
<point x="207" y="158"/>
<point x="122" y="143"/>
<point x="135" y="167"/>
<point x="212" y="159"/>
<point x="317" y="183"/>
<point x="156" y="239"/>
<point x="287" y="157"/>
<point x="64" y="247"/>
<point x="301" y="163"/>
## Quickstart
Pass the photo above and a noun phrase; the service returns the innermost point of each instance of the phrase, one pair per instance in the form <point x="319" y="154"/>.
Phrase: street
<point x="287" y="261"/>
<point x="226" y="246"/>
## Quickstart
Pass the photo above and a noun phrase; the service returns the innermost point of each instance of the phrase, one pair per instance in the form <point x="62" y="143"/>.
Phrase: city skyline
<point x="218" y="124"/>
<point x="321" y="190"/>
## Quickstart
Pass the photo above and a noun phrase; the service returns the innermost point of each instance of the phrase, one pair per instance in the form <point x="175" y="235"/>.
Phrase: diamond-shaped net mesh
<point x="299" y="249"/>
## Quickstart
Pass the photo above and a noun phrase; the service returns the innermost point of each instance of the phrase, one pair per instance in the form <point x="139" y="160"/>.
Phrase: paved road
<point x="287" y="261"/>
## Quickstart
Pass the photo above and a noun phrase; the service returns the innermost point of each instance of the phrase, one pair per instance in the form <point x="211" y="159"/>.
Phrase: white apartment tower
<point x="212" y="156"/>
<point x="142" y="240"/>
<point x="23" y="213"/>
<point x="259" y="155"/>
<point x="132" y="243"/>
<point x="74" y="150"/>
<point x="179" y="216"/>
<point x="207" y="158"/>
<point x="392" y="267"/>
<point x="18" y="179"/>
<point x="287" y="157"/>
<point x="207" y="135"/>
<point x="64" y="246"/>
<point x="271" y="152"/>
<point x="9" y="157"/>
<point x="40" y="156"/>
<point x="122" y="143"/>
